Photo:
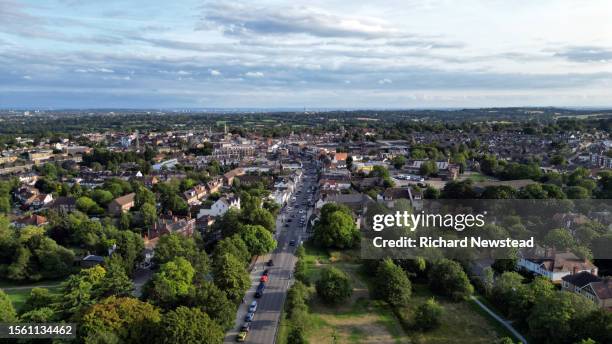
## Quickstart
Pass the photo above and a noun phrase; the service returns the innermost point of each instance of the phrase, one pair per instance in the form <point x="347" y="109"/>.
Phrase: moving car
<point x="260" y="289"/>
<point x="241" y="337"/>
<point x="253" y="306"/>
<point x="246" y="327"/>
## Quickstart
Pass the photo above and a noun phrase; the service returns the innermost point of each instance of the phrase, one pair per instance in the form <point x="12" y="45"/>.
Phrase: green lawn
<point x="19" y="296"/>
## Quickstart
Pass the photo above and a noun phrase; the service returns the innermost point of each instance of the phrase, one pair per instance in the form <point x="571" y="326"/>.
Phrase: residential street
<point x="265" y="324"/>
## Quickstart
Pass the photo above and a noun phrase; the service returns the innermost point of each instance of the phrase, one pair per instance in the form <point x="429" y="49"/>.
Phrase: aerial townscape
<point x="195" y="226"/>
<point x="306" y="172"/>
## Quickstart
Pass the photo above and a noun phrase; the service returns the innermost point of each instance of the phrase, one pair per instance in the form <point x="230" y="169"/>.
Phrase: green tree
<point x="149" y="214"/>
<point x="551" y="318"/>
<point x="175" y="245"/>
<point x="258" y="239"/>
<point x="230" y="276"/>
<point x="172" y="284"/>
<point x="7" y="311"/>
<point x="392" y="283"/>
<point x="235" y="246"/>
<point x="213" y="301"/>
<point x="38" y="298"/>
<point x="336" y="227"/>
<point x="189" y="325"/>
<point x="127" y="319"/>
<point x="428" y="168"/>
<point x="115" y="281"/>
<point x="79" y="291"/>
<point x="559" y="238"/>
<point x="428" y="315"/>
<point x="333" y="286"/>
<point x="447" y="277"/>
<point x="399" y="161"/>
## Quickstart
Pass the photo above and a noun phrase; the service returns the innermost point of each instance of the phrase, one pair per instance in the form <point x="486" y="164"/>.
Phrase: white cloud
<point x="214" y="72"/>
<point x="254" y="74"/>
<point x="27" y="77"/>
<point x="385" y="81"/>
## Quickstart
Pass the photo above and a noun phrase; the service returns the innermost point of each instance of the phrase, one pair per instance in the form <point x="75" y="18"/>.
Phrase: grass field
<point x="476" y="177"/>
<point x="19" y="296"/>
<point x="365" y="320"/>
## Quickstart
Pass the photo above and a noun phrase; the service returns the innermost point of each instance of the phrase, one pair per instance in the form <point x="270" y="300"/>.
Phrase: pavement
<point x="270" y="305"/>
<point x="504" y="322"/>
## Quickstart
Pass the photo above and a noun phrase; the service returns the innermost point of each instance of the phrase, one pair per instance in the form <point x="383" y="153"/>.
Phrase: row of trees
<point x="549" y="315"/>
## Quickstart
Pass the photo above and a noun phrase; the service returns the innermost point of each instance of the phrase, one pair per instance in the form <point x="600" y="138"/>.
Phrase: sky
<point x="298" y="53"/>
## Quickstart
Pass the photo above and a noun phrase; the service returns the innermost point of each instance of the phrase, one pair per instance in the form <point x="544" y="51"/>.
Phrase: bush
<point x="428" y="315"/>
<point x="334" y="286"/>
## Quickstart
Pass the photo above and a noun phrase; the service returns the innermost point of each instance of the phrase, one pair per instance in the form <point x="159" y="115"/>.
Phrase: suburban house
<point x="183" y="226"/>
<point x="195" y="194"/>
<point x="390" y="195"/>
<point x="357" y="202"/>
<point x="221" y="206"/>
<point x="121" y="204"/>
<point x="554" y="265"/>
<point x="30" y="220"/>
<point x="228" y="178"/>
<point x="214" y="184"/>
<point x="594" y="288"/>
<point x="64" y="204"/>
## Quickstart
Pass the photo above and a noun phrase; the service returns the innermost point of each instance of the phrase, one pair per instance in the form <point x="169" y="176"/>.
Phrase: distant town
<point x="246" y="225"/>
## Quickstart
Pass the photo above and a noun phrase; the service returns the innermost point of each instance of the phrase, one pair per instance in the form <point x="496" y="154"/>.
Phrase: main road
<point x="265" y="324"/>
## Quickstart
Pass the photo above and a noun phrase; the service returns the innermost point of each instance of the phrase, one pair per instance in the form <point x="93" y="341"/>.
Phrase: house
<point x="214" y="184"/>
<point x="390" y="195"/>
<point x="64" y="204"/>
<point x="446" y="170"/>
<point x="30" y="220"/>
<point x="221" y="206"/>
<point x="357" y="202"/>
<point x="228" y="178"/>
<point x="91" y="260"/>
<point x="553" y="265"/>
<point x="121" y="204"/>
<point x="594" y="288"/>
<point x="37" y="201"/>
<point x="182" y="226"/>
<point x="195" y="194"/>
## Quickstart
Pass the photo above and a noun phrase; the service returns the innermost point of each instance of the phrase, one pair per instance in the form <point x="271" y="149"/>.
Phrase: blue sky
<point x="332" y="53"/>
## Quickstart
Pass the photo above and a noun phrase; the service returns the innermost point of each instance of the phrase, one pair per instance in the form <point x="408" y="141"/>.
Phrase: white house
<point x="220" y="207"/>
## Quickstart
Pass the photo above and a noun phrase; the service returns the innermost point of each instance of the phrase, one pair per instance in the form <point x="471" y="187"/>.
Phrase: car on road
<point x="289" y="220"/>
<point x="265" y="272"/>
<point x="249" y="317"/>
<point x="292" y="243"/>
<point x="241" y="337"/>
<point x="270" y="262"/>
<point x="253" y="307"/>
<point x="246" y="327"/>
<point x="287" y="225"/>
<point x="264" y="279"/>
<point x="260" y="289"/>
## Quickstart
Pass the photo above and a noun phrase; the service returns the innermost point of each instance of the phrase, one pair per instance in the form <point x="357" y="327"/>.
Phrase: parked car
<point x="292" y="243"/>
<point x="265" y="272"/>
<point x="270" y="262"/>
<point x="264" y="279"/>
<point x="246" y="327"/>
<point x="249" y="317"/>
<point x="253" y="307"/>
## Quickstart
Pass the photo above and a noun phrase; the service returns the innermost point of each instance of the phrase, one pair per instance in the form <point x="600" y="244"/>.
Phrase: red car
<point x="264" y="279"/>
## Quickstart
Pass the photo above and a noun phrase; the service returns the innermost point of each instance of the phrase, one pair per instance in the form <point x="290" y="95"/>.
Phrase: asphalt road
<point x="265" y="324"/>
